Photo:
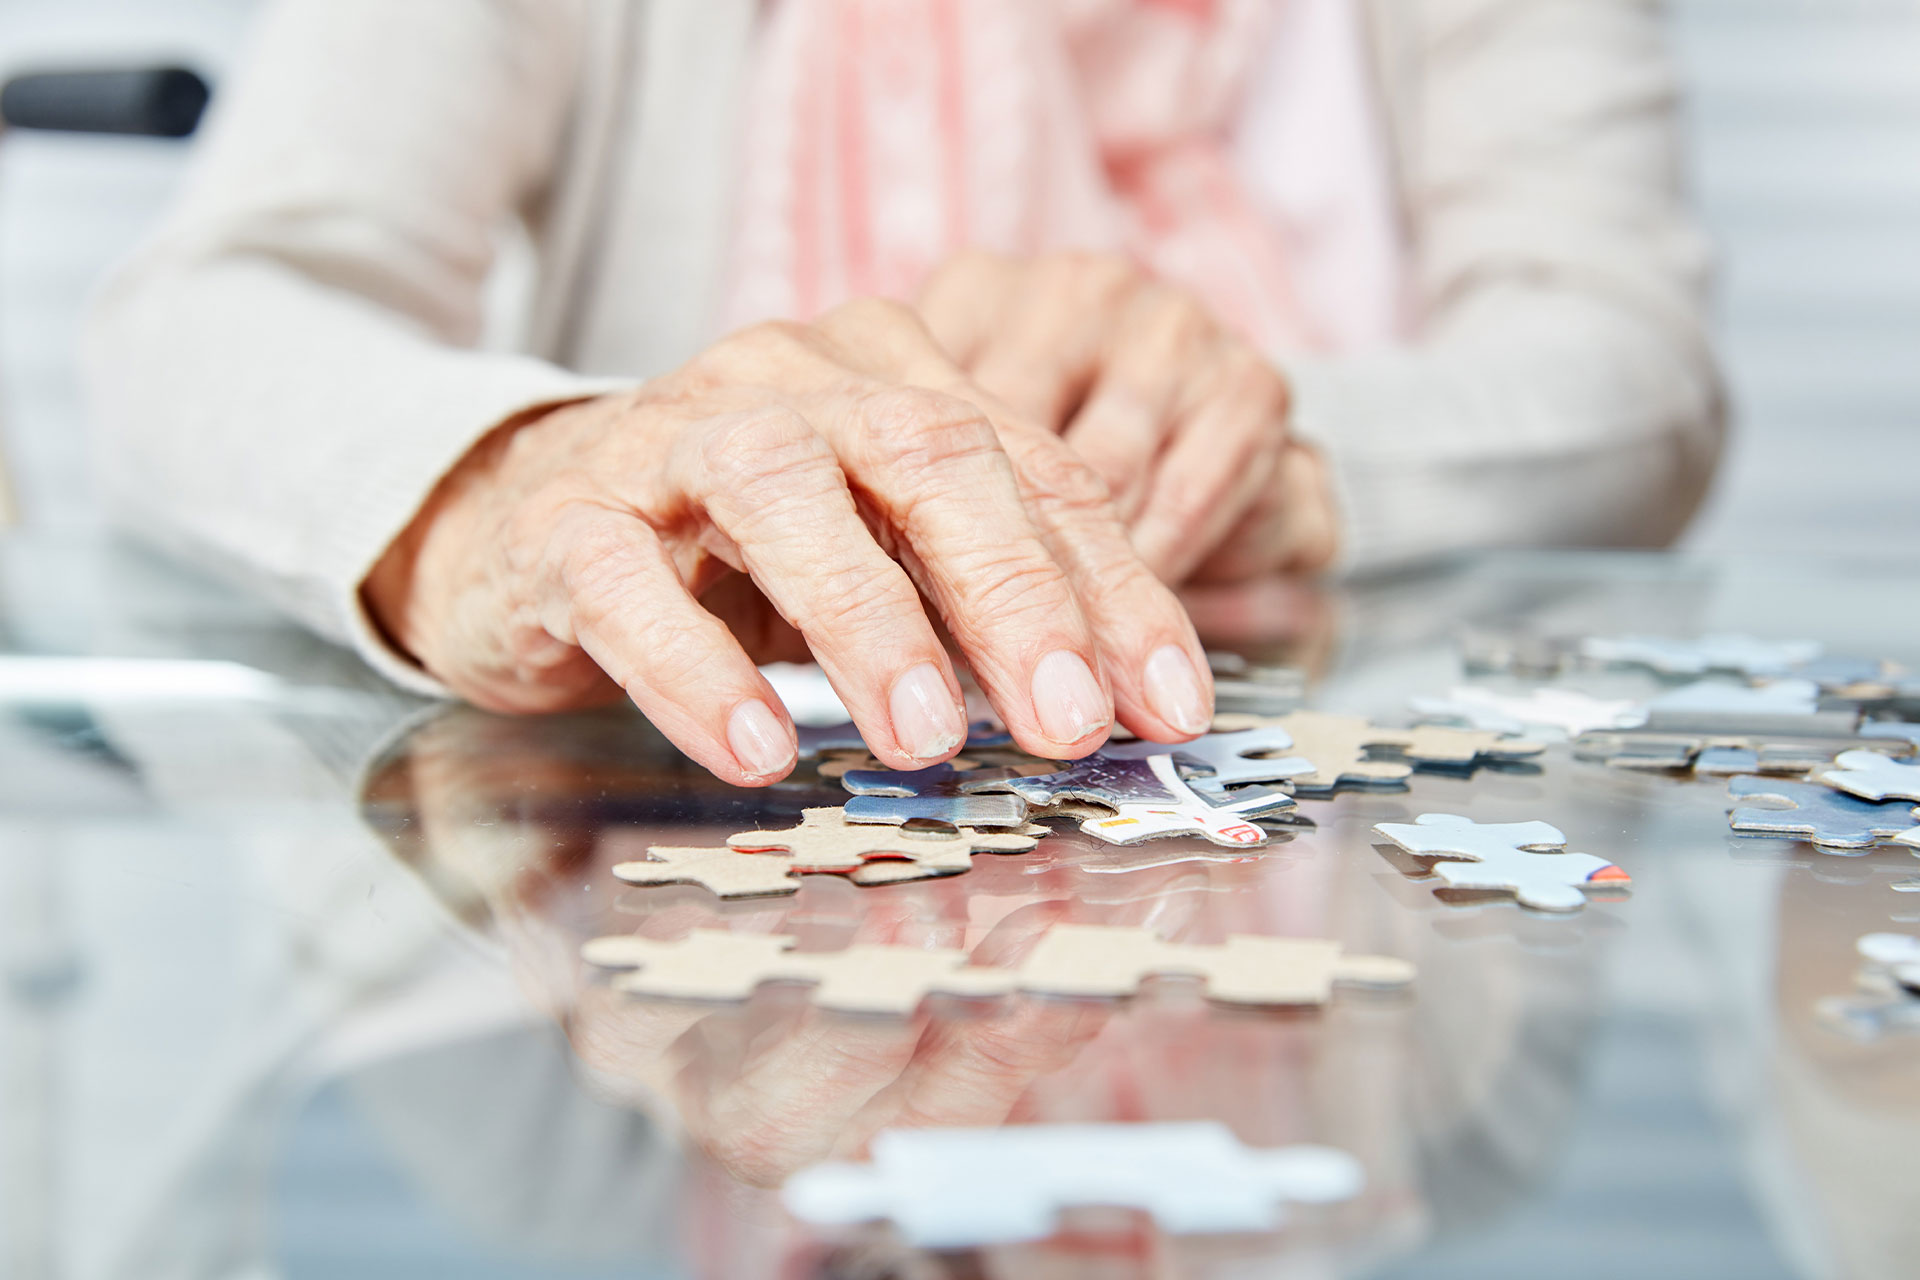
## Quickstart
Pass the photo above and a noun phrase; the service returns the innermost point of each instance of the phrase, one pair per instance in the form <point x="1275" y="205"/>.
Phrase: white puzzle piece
<point x="1895" y="953"/>
<point x="1779" y="698"/>
<point x="1524" y="857"/>
<point x="960" y="1188"/>
<point x="1872" y="776"/>
<point x="1565" y="711"/>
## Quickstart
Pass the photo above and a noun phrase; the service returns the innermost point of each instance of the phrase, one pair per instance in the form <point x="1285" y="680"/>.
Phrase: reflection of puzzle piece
<point x="1149" y="799"/>
<point x="1834" y="821"/>
<point x="1872" y="776"/>
<point x="1563" y="711"/>
<point x="961" y="1188"/>
<point x="1737" y="653"/>
<point x="1090" y="960"/>
<point x="1889" y="982"/>
<point x="1522" y="857"/>
<point x="710" y="964"/>
<point x="1895" y="953"/>
<point x="1229" y="759"/>
<point x="826" y="841"/>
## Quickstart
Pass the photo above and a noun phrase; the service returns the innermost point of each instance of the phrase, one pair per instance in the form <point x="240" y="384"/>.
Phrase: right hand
<point x="825" y="477"/>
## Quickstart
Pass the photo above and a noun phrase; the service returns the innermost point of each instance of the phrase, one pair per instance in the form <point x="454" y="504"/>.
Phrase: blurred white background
<point x="1804" y="118"/>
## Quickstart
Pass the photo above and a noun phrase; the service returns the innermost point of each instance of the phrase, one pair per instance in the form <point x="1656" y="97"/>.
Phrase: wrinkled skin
<point x="1185" y="421"/>
<point x="847" y="490"/>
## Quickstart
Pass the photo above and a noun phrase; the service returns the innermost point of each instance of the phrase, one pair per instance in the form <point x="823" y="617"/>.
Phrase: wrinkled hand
<point x="823" y="477"/>
<point x="1185" y="422"/>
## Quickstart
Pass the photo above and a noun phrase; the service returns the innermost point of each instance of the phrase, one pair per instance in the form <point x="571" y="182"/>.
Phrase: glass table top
<point x="294" y="986"/>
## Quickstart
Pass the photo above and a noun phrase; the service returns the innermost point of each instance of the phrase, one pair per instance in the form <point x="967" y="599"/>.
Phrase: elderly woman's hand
<point x="1186" y="422"/>
<point x="847" y="469"/>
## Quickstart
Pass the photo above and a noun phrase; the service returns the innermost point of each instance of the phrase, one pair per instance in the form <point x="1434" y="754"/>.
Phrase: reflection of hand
<point x="1185" y="422"/>
<point x="764" y="1101"/>
<point x="838" y="467"/>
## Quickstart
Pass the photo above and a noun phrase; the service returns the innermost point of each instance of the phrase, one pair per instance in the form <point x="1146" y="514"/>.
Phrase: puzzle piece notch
<point x="1192" y="1178"/>
<point x="1872" y="776"/>
<point x="1525" y="858"/>
<point x="1833" y="821"/>
<point x="711" y="964"/>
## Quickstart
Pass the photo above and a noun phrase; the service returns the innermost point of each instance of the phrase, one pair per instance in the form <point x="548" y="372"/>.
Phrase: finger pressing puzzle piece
<point x="1834" y="821"/>
<point x="1527" y="858"/>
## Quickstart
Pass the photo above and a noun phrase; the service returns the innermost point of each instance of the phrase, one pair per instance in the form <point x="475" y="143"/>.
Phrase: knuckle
<point x="741" y="455"/>
<point x="1051" y="474"/>
<point x="752" y="350"/>
<point x="920" y="434"/>
<point x="861" y="595"/>
<point x="1012" y="586"/>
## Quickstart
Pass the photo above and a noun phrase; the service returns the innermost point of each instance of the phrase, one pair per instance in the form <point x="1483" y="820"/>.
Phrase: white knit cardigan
<point x="286" y="369"/>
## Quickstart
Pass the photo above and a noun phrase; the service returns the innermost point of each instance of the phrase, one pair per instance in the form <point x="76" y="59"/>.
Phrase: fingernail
<point x="1173" y="690"/>
<point x="758" y="739"/>
<point x="926" y="720"/>
<point x="1068" y="699"/>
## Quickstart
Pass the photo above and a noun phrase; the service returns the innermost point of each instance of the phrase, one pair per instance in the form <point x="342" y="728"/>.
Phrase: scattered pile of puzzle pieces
<point x="1087" y="961"/>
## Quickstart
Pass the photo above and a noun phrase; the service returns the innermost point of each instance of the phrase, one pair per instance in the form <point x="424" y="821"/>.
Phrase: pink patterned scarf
<point x="883" y="135"/>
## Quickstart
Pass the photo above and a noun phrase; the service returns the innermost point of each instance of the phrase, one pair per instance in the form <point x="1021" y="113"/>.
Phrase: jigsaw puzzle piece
<point x="1745" y="655"/>
<point x="1106" y="961"/>
<point x="1563" y="711"/>
<point x="728" y="873"/>
<point x="1191" y="1178"/>
<point x="1462" y="748"/>
<point x="1872" y="776"/>
<point x="826" y="840"/>
<point x="957" y="811"/>
<point x="1228" y="759"/>
<point x="1524" y="858"/>
<point x="1834" y="821"/>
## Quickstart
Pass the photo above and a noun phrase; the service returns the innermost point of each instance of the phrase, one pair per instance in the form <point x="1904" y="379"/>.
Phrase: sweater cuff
<point x="448" y="422"/>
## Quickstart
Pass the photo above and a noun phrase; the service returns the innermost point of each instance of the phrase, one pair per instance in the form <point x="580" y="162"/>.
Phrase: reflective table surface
<point x="293" y="984"/>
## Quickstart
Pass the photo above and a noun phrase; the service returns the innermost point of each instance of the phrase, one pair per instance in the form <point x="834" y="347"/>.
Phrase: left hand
<point x="1186" y="422"/>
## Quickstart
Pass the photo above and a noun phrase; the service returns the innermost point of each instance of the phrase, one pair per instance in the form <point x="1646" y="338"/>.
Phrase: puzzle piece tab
<point x="1192" y="1178"/>
<point x="1834" y="821"/>
<point x="710" y="964"/>
<point x="1524" y="857"/>
<point x="940" y="793"/>
<point x="1872" y="776"/>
